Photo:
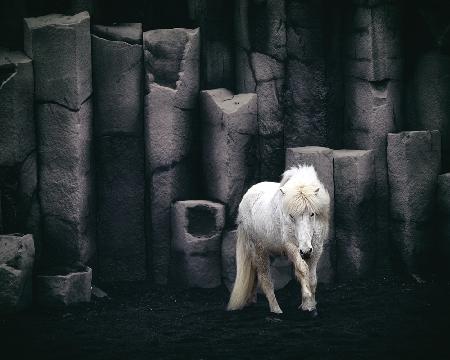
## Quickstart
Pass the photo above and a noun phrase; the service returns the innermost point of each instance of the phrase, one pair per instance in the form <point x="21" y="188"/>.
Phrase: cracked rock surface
<point x="229" y="131"/>
<point x="355" y="213"/>
<point x="260" y="55"/>
<point x="171" y="60"/>
<point x="414" y="163"/>
<point x="60" y="47"/>
<point x="118" y="81"/>
<point x="196" y="239"/>
<point x="16" y="267"/>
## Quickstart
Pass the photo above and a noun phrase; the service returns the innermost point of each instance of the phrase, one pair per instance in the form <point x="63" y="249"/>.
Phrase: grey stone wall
<point x="172" y="64"/>
<point x="60" y="47"/>
<point x="118" y="79"/>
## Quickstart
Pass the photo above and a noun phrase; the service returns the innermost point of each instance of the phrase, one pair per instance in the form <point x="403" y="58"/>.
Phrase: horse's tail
<point x="245" y="273"/>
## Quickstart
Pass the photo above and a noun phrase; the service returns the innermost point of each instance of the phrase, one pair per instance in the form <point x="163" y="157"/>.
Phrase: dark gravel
<point x="387" y="318"/>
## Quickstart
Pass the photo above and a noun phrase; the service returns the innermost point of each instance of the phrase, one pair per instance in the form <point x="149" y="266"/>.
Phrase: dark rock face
<point x="196" y="242"/>
<point x="62" y="290"/>
<point x="16" y="267"/>
<point x="443" y="207"/>
<point x="229" y="129"/>
<point x="118" y="79"/>
<point x="172" y="59"/>
<point x="260" y="54"/>
<point x="280" y="267"/>
<point x="60" y="47"/>
<point x="322" y="160"/>
<point x="313" y="80"/>
<point x="429" y="104"/>
<point x="121" y="244"/>
<point x="215" y="18"/>
<point x="414" y="163"/>
<point x="18" y="178"/>
<point x="373" y="92"/>
<point x="355" y="213"/>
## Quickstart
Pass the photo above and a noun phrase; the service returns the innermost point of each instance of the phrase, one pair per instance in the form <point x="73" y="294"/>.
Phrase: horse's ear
<point x="287" y="175"/>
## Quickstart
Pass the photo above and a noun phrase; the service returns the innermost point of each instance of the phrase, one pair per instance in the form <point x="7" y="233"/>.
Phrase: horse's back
<point x="255" y="209"/>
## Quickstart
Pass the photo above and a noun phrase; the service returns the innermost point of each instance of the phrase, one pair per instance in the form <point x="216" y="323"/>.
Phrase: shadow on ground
<point x="381" y="318"/>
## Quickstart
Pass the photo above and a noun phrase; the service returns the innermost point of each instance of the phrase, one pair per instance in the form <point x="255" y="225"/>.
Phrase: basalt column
<point x="215" y="18"/>
<point x="60" y="47"/>
<point x="414" y="163"/>
<point x="118" y="79"/>
<point x="19" y="207"/>
<point x="372" y="93"/>
<point x="260" y="54"/>
<point x="355" y="215"/>
<point x="313" y="96"/>
<point x="229" y="130"/>
<point x="172" y="83"/>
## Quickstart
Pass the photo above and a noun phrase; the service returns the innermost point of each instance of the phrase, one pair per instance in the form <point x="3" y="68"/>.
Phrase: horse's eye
<point x="292" y="217"/>
<point x="312" y="214"/>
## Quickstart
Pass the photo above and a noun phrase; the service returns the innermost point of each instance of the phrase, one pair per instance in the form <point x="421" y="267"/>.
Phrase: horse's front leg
<point x="302" y="274"/>
<point x="262" y="264"/>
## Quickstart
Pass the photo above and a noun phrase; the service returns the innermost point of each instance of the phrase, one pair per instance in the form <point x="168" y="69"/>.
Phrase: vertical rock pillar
<point x="260" y="54"/>
<point x="215" y="18"/>
<point x="429" y="103"/>
<point x="229" y="131"/>
<point x="312" y="114"/>
<point x="60" y="47"/>
<point x="443" y="206"/>
<point x="414" y="162"/>
<point x="196" y="242"/>
<point x="373" y="92"/>
<point x="355" y="215"/>
<point x="118" y="79"/>
<point x="322" y="160"/>
<point x="19" y="206"/>
<point x="171" y="60"/>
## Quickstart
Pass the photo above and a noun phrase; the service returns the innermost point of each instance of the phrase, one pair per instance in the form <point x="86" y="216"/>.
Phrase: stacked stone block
<point x="64" y="289"/>
<point x="229" y="129"/>
<point x="355" y="213"/>
<point x="196" y="243"/>
<point x="373" y="72"/>
<point x="428" y="100"/>
<point x="16" y="268"/>
<point x="414" y="162"/>
<point x="19" y="207"/>
<point x="118" y="80"/>
<point x="322" y="160"/>
<point x="60" y="47"/>
<point x="171" y="59"/>
<point x="260" y="54"/>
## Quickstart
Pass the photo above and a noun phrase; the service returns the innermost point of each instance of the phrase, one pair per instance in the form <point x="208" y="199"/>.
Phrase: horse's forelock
<point x="301" y="194"/>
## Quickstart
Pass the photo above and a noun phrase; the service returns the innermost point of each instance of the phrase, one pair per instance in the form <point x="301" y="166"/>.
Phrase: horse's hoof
<point x="311" y="314"/>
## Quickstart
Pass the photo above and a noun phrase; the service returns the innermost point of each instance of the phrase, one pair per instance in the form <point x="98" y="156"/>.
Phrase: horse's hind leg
<point x="262" y="263"/>
<point x="302" y="275"/>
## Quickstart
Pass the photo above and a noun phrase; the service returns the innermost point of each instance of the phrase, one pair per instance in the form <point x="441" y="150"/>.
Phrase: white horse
<point x="291" y="218"/>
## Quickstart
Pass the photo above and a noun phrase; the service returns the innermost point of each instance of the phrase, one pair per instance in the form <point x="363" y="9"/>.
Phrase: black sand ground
<point x="387" y="318"/>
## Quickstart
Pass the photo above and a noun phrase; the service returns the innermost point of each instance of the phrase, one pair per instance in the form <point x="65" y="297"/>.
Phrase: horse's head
<point x="305" y="207"/>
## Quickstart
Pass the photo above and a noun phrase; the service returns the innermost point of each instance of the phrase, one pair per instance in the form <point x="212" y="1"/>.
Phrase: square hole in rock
<point x="202" y="221"/>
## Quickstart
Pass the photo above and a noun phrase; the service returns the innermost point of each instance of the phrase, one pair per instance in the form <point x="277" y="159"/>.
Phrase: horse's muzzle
<point x="306" y="254"/>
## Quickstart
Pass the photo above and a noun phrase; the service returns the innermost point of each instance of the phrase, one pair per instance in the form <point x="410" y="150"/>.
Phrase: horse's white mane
<point x="303" y="192"/>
